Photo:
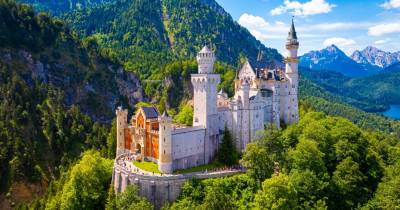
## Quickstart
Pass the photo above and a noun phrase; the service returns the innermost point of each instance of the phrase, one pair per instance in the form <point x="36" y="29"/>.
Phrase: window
<point x="164" y="139"/>
<point x="164" y="152"/>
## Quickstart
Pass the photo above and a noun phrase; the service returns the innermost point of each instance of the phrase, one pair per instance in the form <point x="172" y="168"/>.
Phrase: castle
<point x="262" y="96"/>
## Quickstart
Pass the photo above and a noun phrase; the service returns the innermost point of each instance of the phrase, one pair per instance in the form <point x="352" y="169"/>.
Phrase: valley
<point x="393" y="112"/>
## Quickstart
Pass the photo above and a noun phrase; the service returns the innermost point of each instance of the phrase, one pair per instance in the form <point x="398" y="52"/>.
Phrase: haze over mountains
<point x="360" y="64"/>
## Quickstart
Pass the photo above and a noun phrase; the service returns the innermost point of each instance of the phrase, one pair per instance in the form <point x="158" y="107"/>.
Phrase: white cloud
<point x="338" y="26"/>
<point x="391" y="4"/>
<point x="385" y="28"/>
<point x="261" y="29"/>
<point x="339" y="41"/>
<point x="382" y="41"/>
<point x="312" y="7"/>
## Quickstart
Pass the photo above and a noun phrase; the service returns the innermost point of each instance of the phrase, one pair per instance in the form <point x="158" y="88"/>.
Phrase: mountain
<point x="334" y="59"/>
<point x="60" y="7"/>
<point x="335" y="87"/>
<point x="46" y="51"/>
<point x="373" y="93"/>
<point x="57" y="98"/>
<point x="145" y="36"/>
<point x="179" y="27"/>
<point x="374" y="56"/>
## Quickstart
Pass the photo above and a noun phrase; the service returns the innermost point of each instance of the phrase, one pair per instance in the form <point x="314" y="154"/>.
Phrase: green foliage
<point x="234" y="192"/>
<point x="277" y="193"/>
<point x="343" y="89"/>
<point x="347" y="183"/>
<point x="111" y="199"/>
<point x="112" y="140"/>
<point x="185" y="116"/>
<point x="130" y="200"/>
<point x="84" y="186"/>
<point x="307" y="156"/>
<point x="261" y="155"/>
<point x="147" y="166"/>
<point x="328" y="162"/>
<point x="387" y="196"/>
<point x="227" y="153"/>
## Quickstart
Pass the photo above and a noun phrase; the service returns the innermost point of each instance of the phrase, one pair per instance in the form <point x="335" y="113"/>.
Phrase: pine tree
<point x="111" y="204"/>
<point x="227" y="154"/>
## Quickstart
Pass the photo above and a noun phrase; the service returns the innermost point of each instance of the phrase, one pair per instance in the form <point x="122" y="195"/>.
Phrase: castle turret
<point x="206" y="60"/>
<point x="165" y="144"/>
<point x="292" y="61"/>
<point x="122" y="120"/>
<point x="205" y="100"/>
<point x="244" y="95"/>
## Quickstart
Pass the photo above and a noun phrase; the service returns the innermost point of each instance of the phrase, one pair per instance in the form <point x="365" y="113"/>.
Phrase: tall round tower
<point x="205" y="113"/>
<point x="122" y="120"/>
<point x="165" y="144"/>
<point x="292" y="62"/>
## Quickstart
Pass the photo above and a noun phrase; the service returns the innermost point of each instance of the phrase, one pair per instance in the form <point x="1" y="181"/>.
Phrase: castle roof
<point x="205" y="50"/>
<point x="165" y="114"/>
<point x="259" y="66"/>
<point x="292" y="32"/>
<point x="150" y="112"/>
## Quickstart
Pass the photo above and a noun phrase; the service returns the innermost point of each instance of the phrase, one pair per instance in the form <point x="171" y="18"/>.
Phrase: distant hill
<point x="59" y="7"/>
<point x="334" y="59"/>
<point x="371" y="93"/>
<point x="374" y="56"/>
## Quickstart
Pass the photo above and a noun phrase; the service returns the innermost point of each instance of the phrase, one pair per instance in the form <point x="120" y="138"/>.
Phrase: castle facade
<point x="262" y="96"/>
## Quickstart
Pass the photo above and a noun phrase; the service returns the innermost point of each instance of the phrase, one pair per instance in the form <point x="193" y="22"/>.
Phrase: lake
<point x="393" y="112"/>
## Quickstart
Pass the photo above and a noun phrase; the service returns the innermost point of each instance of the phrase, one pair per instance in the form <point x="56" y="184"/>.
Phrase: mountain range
<point x="374" y="56"/>
<point x="363" y="63"/>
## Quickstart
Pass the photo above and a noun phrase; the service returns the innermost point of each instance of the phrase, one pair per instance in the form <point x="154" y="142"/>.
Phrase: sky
<point x="349" y="24"/>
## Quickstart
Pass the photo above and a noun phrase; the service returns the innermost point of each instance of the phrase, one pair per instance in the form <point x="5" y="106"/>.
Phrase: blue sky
<point x="350" y="24"/>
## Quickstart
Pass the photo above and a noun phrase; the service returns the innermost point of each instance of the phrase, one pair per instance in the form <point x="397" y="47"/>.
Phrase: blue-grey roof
<point x="292" y="32"/>
<point x="150" y="112"/>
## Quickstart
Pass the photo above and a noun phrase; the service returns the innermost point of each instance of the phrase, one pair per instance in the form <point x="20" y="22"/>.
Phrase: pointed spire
<point x="292" y="32"/>
<point x="260" y="55"/>
<point x="165" y="114"/>
<point x="205" y="49"/>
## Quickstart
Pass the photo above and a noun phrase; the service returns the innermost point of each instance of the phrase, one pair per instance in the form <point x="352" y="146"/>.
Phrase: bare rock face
<point x="130" y="87"/>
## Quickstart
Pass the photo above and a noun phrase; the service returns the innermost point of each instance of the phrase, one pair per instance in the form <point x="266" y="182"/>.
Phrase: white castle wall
<point x="188" y="147"/>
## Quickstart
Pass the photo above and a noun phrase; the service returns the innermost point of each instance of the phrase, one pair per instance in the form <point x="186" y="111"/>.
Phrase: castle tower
<point x="244" y="93"/>
<point x="122" y="120"/>
<point x="205" y="100"/>
<point x="292" y="62"/>
<point x="165" y="144"/>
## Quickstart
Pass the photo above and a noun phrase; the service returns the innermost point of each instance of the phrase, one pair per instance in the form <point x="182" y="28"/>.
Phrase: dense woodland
<point x="374" y="93"/>
<point x="55" y="122"/>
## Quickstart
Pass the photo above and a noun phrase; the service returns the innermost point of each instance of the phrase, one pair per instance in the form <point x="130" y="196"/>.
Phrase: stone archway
<point x="138" y="148"/>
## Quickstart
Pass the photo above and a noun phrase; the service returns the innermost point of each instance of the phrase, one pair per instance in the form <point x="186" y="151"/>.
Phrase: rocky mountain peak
<point x="377" y="57"/>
